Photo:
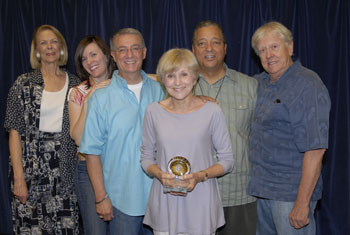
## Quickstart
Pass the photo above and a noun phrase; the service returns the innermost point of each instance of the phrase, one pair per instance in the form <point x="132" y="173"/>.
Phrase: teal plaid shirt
<point x="237" y="98"/>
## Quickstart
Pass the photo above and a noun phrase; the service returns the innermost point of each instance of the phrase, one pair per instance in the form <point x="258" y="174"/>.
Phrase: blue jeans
<point x="273" y="219"/>
<point x="86" y="198"/>
<point x="123" y="224"/>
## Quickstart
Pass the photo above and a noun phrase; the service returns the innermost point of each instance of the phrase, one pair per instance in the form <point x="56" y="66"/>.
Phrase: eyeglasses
<point x="125" y="50"/>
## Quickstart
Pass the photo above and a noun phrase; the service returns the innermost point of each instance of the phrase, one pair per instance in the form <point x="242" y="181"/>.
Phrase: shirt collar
<point x="37" y="76"/>
<point x="228" y="74"/>
<point x="285" y="76"/>
<point x="122" y="81"/>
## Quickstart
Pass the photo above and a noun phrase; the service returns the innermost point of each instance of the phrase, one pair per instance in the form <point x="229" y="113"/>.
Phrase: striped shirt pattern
<point x="236" y="94"/>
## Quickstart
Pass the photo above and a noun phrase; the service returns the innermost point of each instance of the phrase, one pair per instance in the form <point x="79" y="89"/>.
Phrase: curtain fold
<point x="321" y="31"/>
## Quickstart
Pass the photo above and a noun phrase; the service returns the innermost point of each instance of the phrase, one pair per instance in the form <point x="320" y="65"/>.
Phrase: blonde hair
<point x="34" y="61"/>
<point x="274" y="27"/>
<point x="174" y="59"/>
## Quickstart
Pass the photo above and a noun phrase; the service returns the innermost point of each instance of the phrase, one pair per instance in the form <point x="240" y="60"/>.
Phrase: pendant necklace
<point x="217" y="94"/>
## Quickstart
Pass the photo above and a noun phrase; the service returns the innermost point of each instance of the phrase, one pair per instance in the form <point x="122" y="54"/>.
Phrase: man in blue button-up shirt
<point x="112" y="137"/>
<point x="289" y="136"/>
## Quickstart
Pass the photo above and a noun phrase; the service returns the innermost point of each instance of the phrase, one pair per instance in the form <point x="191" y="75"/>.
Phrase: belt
<point x="82" y="156"/>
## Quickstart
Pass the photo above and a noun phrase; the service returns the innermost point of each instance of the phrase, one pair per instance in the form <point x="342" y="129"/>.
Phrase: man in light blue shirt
<point x="112" y="137"/>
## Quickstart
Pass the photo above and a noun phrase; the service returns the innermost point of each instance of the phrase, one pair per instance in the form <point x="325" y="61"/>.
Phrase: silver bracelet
<point x="104" y="198"/>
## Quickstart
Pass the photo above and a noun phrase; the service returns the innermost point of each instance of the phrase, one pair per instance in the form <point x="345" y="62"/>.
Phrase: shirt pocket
<point x="240" y="115"/>
<point x="277" y="114"/>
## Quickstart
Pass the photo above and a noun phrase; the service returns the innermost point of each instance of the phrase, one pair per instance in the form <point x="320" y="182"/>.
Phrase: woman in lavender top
<point x="184" y="125"/>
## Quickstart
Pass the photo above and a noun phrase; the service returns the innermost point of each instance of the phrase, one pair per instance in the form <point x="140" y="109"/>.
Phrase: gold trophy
<point x="178" y="166"/>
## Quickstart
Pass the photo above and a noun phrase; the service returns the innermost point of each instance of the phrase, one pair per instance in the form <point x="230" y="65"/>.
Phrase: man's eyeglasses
<point x="124" y="50"/>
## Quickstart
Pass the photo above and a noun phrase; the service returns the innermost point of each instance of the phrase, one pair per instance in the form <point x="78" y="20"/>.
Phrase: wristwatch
<point x="206" y="176"/>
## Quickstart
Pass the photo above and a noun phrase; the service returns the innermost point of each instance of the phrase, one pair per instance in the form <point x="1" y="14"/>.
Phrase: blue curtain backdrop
<point x="321" y="32"/>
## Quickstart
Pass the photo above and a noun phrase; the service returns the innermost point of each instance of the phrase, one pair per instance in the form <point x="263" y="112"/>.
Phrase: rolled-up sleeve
<point x="95" y="134"/>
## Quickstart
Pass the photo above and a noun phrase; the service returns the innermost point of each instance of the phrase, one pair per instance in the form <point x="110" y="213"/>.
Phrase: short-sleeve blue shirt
<point x="113" y="130"/>
<point x="291" y="117"/>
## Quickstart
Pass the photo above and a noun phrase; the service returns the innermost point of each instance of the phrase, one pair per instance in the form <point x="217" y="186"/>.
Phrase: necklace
<point x="217" y="94"/>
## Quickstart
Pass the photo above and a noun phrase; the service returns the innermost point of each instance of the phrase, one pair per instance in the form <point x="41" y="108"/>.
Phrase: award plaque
<point x="178" y="166"/>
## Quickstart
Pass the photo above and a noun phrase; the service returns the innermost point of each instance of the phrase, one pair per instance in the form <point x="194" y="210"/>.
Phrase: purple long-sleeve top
<point x="203" y="138"/>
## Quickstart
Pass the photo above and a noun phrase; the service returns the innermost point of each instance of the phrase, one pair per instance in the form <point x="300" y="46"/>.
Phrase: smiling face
<point x="48" y="46"/>
<point x="179" y="83"/>
<point x="95" y="62"/>
<point x="275" y="54"/>
<point x="128" y="54"/>
<point x="209" y="48"/>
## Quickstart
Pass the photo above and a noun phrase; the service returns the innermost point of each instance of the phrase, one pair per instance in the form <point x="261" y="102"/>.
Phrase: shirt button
<point x="266" y="89"/>
<point x="260" y="105"/>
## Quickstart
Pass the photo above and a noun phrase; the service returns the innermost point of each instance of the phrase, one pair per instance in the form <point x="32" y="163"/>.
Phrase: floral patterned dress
<point x="48" y="162"/>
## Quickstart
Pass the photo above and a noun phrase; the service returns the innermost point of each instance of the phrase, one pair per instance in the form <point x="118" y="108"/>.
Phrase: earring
<point x="62" y="53"/>
<point x="38" y="55"/>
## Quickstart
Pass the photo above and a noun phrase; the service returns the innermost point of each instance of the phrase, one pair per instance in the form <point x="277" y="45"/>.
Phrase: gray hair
<point x="125" y="31"/>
